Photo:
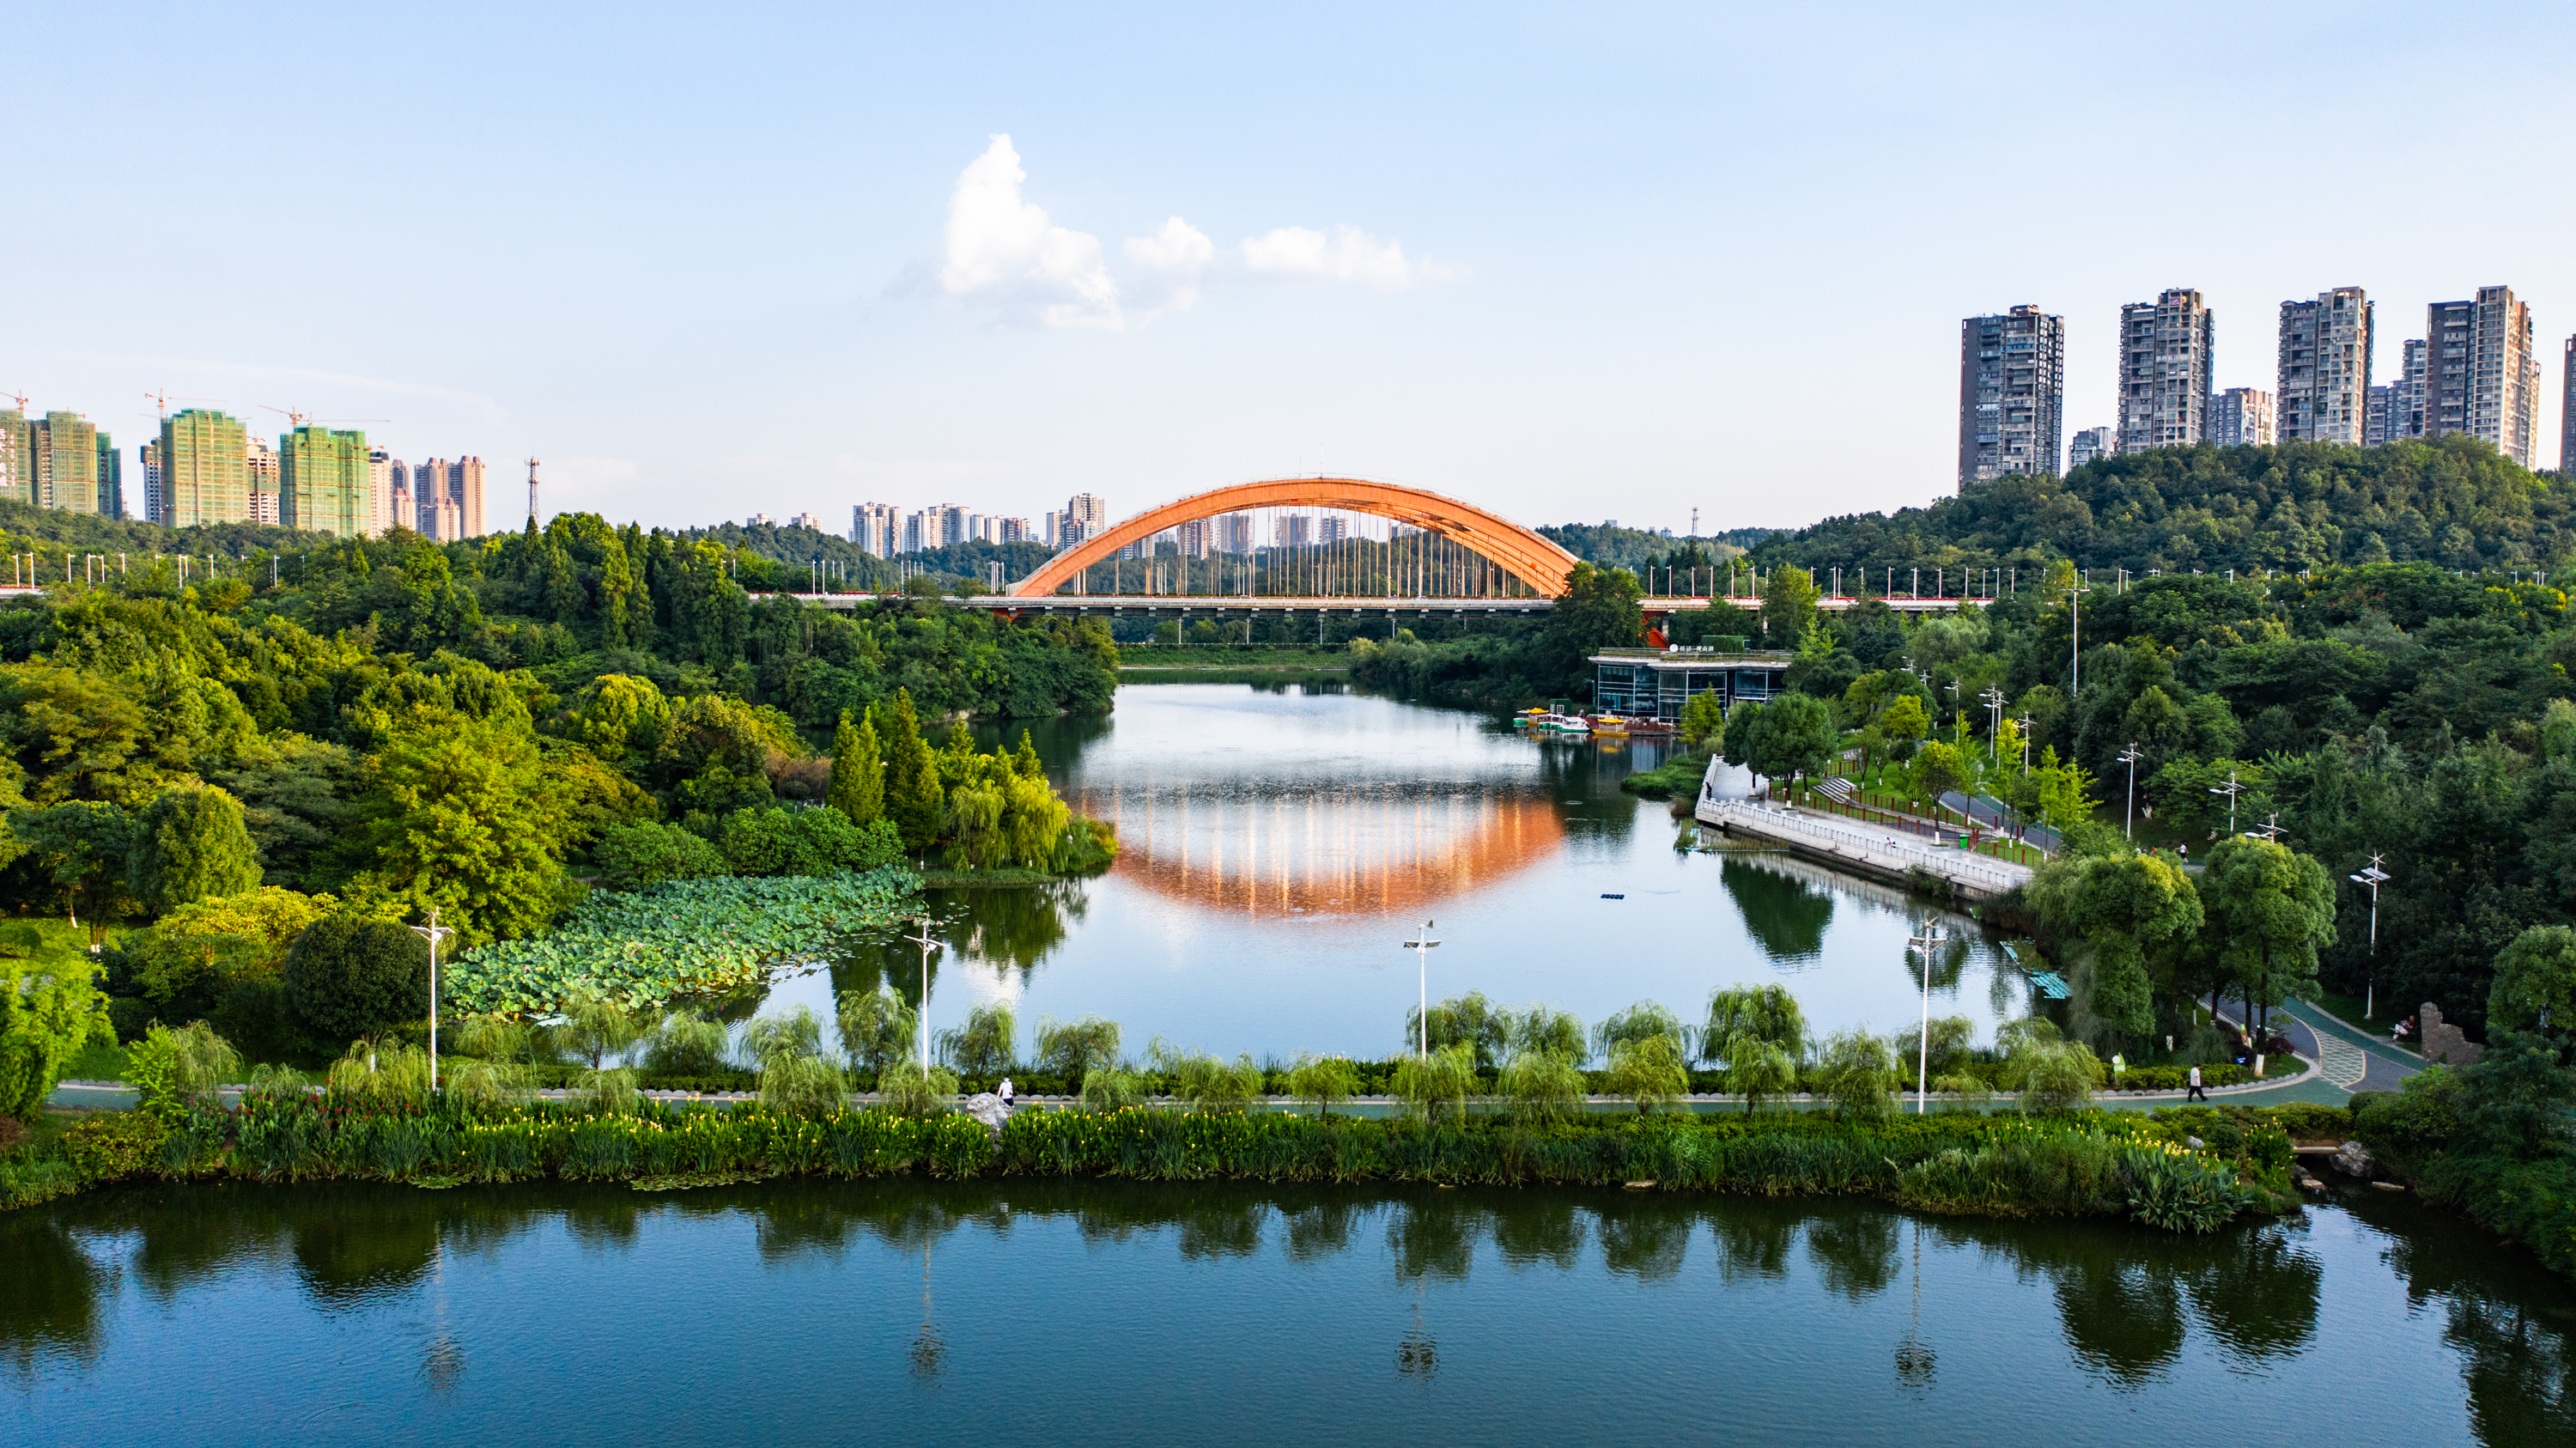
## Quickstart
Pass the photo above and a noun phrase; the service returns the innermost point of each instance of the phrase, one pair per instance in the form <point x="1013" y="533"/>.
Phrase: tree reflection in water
<point x="1786" y="914"/>
<point x="2129" y="1302"/>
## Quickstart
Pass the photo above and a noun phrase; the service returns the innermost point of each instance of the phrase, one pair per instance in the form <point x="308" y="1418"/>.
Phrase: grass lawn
<point x="97" y="1063"/>
<point x="2347" y="1009"/>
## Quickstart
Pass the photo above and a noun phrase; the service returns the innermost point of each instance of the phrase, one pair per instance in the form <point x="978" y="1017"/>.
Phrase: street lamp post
<point x="1423" y="943"/>
<point x="1924" y="945"/>
<point x="2130" y="757"/>
<point x="433" y="932"/>
<point x="2232" y="789"/>
<point x="925" y="940"/>
<point x="2374" y="877"/>
<point x="1994" y="698"/>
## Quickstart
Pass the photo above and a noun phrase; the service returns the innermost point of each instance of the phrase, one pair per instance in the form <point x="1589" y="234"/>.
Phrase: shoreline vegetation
<point x="2189" y="1170"/>
<point x="1495" y="1096"/>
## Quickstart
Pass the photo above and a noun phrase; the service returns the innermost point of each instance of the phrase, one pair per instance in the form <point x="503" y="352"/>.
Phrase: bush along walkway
<point x="2089" y="1164"/>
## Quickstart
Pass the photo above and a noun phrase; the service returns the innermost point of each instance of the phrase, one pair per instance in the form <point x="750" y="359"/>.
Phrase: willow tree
<point x="1756" y="1035"/>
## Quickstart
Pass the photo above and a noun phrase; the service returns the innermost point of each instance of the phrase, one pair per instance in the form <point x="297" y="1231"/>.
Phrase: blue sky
<point x="1570" y="262"/>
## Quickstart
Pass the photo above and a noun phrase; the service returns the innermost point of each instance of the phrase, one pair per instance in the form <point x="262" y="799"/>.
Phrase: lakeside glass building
<point x="1656" y="683"/>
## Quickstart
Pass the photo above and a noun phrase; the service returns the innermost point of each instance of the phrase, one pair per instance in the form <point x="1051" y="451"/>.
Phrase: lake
<point x="1279" y="844"/>
<point x="1075" y="1313"/>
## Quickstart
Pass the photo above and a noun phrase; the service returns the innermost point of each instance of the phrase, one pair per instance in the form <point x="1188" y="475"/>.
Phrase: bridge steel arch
<point x="1506" y="544"/>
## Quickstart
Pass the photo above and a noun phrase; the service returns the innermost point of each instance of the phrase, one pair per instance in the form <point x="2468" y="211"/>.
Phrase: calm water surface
<point x="1278" y="844"/>
<point x="1083" y="1313"/>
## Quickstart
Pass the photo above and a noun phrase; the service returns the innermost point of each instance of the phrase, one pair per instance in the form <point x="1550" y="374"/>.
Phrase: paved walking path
<point x="2385" y="1064"/>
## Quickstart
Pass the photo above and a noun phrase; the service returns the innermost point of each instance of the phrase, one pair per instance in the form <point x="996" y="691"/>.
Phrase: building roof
<point x="1697" y="658"/>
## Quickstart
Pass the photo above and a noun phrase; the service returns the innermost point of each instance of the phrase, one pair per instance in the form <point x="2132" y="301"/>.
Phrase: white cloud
<point x="1003" y="251"/>
<point x="1171" y="262"/>
<point x="1298" y="253"/>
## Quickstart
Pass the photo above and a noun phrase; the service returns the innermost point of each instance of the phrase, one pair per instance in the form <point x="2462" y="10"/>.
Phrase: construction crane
<point x="161" y="400"/>
<point x="295" y="419"/>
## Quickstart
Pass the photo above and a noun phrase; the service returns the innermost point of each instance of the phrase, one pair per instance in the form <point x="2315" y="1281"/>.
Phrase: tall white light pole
<point x="1423" y="942"/>
<point x="1924" y="945"/>
<point x="2075" y="638"/>
<point x="433" y="932"/>
<point x="926" y="941"/>
<point x="2130" y="757"/>
<point x="2374" y="877"/>
<point x="1994" y="698"/>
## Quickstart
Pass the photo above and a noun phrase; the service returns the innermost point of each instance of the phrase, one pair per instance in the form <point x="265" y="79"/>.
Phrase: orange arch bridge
<point x="1505" y="544"/>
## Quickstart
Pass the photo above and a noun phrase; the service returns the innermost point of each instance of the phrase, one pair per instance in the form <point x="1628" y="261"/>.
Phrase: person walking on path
<point x="2196" y="1094"/>
<point x="1005" y="1093"/>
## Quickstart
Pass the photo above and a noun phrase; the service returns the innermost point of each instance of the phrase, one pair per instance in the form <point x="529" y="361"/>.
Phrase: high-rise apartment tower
<point x="2325" y="367"/>
<point x="205" y="469"/>
<point x="2012" y="394"/>
<point x="873" y="527"/>
<point x="60" y="461"/>
<point x="2481" y="375"/>
<point x="2167" y="352"/>
<point x="2240" y="416"/>
<point x="2567" y="415"/>
<point x="2397" y="408"/>
<point x="322" y="481"/>
<point x="2090" y="443"/>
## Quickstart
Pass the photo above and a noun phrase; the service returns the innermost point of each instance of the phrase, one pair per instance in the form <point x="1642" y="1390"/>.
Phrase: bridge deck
<point x="1236" y="603"/>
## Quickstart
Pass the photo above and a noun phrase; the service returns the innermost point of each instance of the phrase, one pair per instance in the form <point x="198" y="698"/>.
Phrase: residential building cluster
<point x="884" y="529"/>
<point x="208" y="467"/>
<point x="2476" y="370"/>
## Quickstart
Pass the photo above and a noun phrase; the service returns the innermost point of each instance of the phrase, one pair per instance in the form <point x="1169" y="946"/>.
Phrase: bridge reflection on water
<point x="1370" y="849"/>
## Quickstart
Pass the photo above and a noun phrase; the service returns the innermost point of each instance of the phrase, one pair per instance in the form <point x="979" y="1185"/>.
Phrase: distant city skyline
<point x="1496" y="254"/>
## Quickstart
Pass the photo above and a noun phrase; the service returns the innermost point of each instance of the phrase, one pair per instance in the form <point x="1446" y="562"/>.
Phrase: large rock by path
<point x="987" y="1108"/>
